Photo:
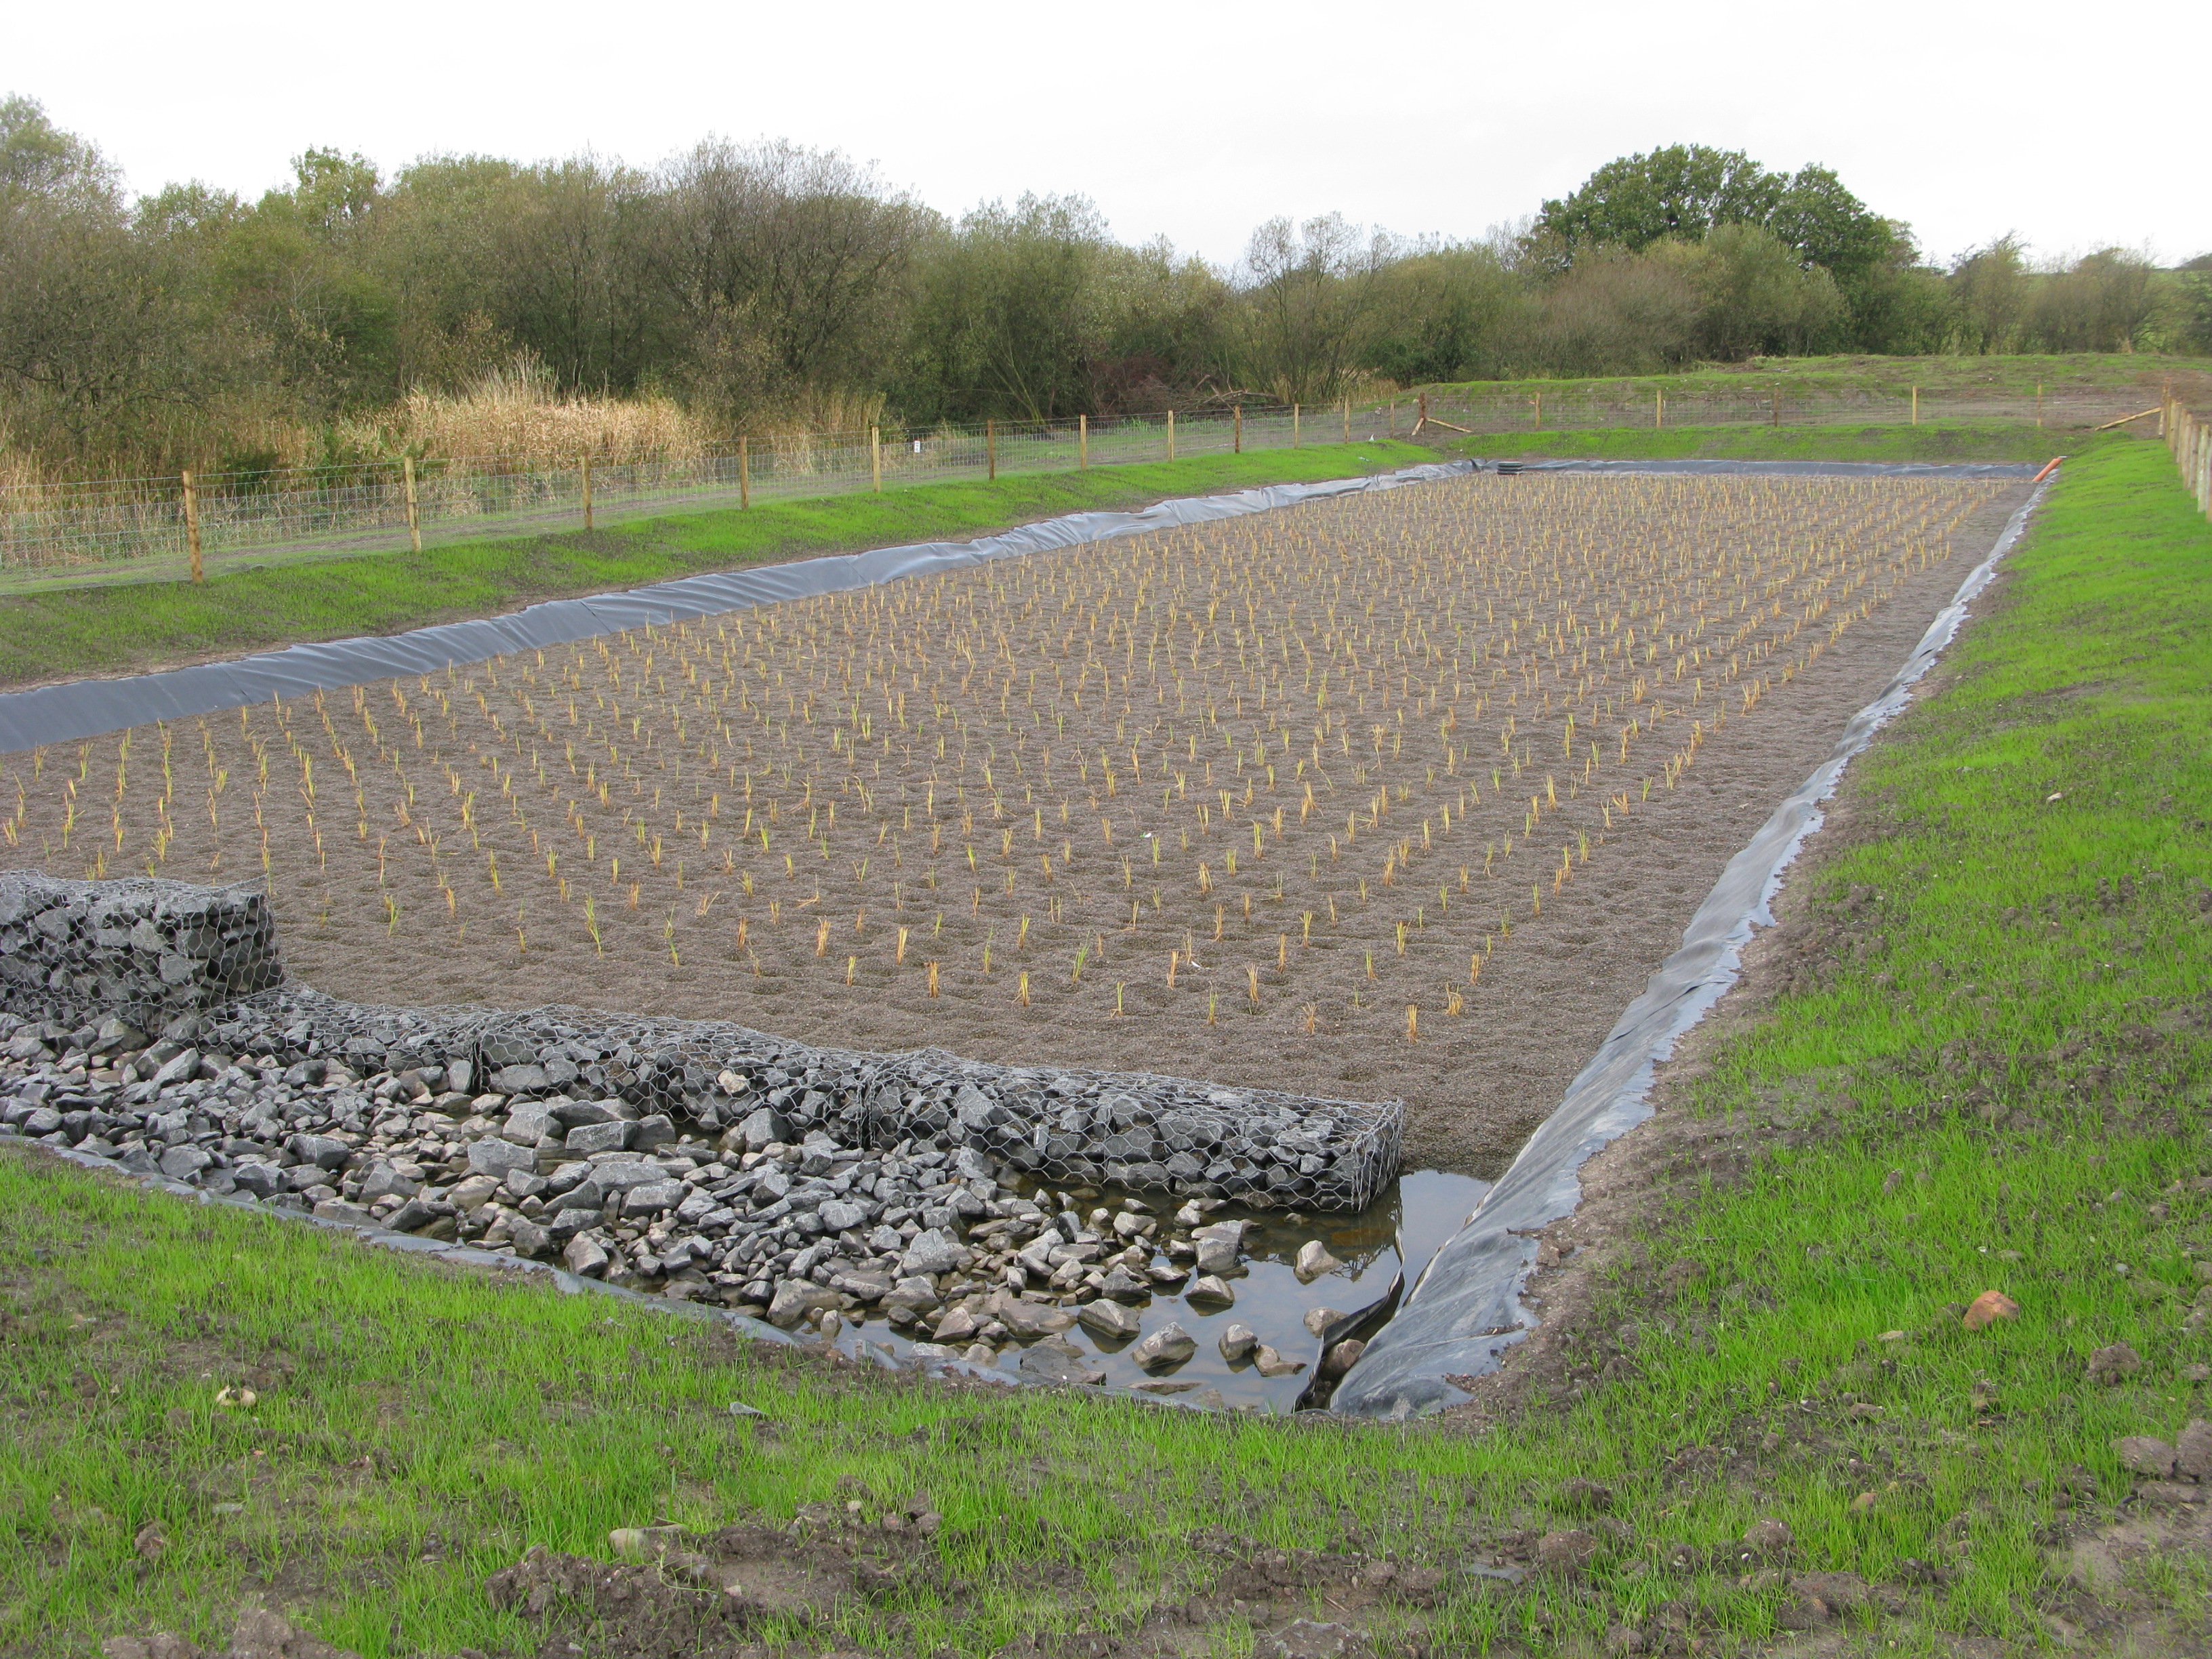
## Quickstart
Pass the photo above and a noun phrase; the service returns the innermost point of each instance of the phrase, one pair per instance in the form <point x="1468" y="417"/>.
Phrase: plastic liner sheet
<point x="85" y="708"/>
<point x="1467" y="1311"/>
<point x="1788" y="469"/>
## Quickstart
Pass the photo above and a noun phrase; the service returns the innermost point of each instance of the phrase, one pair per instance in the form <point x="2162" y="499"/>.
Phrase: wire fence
<point x="72" y="534"/>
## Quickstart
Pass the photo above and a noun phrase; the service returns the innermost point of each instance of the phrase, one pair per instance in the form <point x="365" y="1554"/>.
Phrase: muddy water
<point x="1400" y="1231"/>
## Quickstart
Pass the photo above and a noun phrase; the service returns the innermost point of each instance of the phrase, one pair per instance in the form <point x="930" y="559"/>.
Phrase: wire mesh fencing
<point x="71" y="534"/>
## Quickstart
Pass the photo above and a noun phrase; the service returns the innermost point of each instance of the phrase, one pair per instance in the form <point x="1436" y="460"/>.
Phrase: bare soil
<point x="1341" y="786"/>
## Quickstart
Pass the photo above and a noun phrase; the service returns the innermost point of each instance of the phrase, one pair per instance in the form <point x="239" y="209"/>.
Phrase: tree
<point x="1682" y="191"/>
<point x="1443" y="312"/>
<point x="1989" y="290"/>
<point x="1308" y="292"/>
<point x="2102" y="302"/>
<point x="1754" y="296"/>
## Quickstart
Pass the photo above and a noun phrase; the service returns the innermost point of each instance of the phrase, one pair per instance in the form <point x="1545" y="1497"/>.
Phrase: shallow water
<point x="1403" y="1229"/>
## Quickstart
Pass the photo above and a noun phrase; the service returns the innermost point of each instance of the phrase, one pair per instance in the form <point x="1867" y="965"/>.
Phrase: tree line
<point x="751" y="285"/>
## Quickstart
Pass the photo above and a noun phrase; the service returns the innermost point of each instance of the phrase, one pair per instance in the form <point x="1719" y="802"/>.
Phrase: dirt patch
<point x="1402" y="796"/>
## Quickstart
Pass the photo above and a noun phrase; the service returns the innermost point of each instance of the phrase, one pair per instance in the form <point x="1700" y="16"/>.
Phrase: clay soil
<point x="1469" y="753"/>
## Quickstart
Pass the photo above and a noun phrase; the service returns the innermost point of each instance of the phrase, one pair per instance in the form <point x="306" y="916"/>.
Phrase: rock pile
<point x="144" y="951"/>
<point x="790" y="1222"/>
<point x="960" y="1200"/>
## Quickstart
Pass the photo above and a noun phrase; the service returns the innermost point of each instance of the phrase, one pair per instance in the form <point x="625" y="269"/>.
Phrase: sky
<point x="1194" y="121"/>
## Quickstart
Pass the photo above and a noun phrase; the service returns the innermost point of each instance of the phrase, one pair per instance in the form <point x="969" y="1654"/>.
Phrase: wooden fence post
<point x="875" y="457"/>
<point x="1172" y="434"/>
<point x="1347" y="420"/>
<point x="1539" y="412"/>
<point x="1777" y="408"/>
<point x="2038" y="404"/>
<point x="414" y="506"/>
<point x="1915" y="405"/>
<point x="745" y="472"/>
<point x="1082" y="441"/>
<point x="587" y="492"/>
<point x="991" y="449"/>
<point x="1296" y="435"/>
<point x="1238" y="418"/>
<point x="192" y="524"/>
<point x="1658" y="406"/>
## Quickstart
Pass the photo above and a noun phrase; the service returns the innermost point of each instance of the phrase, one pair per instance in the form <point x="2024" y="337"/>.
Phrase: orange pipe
<point x="2048" y="471"/>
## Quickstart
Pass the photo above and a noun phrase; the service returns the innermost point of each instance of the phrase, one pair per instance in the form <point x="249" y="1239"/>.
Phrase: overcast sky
<point x="1196" y="120"/>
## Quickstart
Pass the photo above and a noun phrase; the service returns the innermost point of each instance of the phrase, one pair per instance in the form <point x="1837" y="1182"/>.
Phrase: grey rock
<point x="324" y="1151"/>
<point x="1210" y="1292"/>
<point x="1217" y="1256"/>
<point x="840" y="1216"/>
<point x="472" y="1195"/>
<point x="528" y="1079"/>
<point x="528" y="1124"/>
<point x="931" y="1253"/>
<point x="1054" y="1359"/>
<point x="1029" y="1321"/>
<point x="261" y="1179"/>
<point x="1314" y="1261"/>
<point x="382" y="1180"/>
<point x="653" y="1197"/>
<point x="611" y="1136"/>
<point x="585" y="1257"/>
<point x="1170" y="1345"/>
<point x="795" y="1298"/>
<point x="1109" y="1319"/>
<point x="495" y="1156"/>
<point x="184" y="1163"/>
<point x="336" y="1209"/>
<point x="1268" y="1362"/>
<point x="619" y="1176"/>
<point x="182" y="1068"/>
<point x="530" y="1241"/>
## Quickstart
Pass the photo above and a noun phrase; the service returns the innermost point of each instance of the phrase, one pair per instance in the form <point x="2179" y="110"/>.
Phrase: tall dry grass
<point x="516" y="416"/>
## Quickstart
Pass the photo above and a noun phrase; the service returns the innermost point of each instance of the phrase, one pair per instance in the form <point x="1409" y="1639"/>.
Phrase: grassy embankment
<point x="1894" y="376"/>
<point x="130" y="627"/>
<point x="2009" y="1012"/>
<point x="1939" y="443"/>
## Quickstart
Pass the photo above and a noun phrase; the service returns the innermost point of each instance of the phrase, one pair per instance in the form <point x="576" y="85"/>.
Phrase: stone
<point x="1217" y="1256"/>
<point x="1268" y="1362"/>
<point x="958" y="1325"/>
<point x="1170" y="1345"/>
<point x="528" y="1124"/>
<point x="1320" y="1319"/>
<point x="2143" y="1454"/>
<point x="1567" y="1554"/>
<point x="2172" y="1491"/>
<point x="840" y="1215"/>
<point x="1237" y="1342"/>
<point x="931" y="1253"/>
<point x="2114" y="1365"/>
<point x="585" y="1257"/>
<point x="1314" y="1261"/>
<point x="1124" y="1286"/>
<point x="795" y="1298"/>
<point x="1339" y="1360"/>
<point x="495" y="1156"/>
<point x="382" y="1180"/>
<point x="1109" y="1319"/>
<point x="179" y="1068"/>
<point x="185" y="1162"/>
<point x="613" y="1135"/>
<point x="532" y="1242"/>
<point x="1987" y="1309"/>
<point x="1831" y="1594"/>
<point x="2193" y="1450"/>
<point x="528" y="1079"/>
<point x="261" y="1179"/>
<point x="1029" y="1321"/>
<point x="336" y="1209"/>
<point x="324" y="1151"/>
<point x="652" y="1197"/>
<point x="1055" y="1359"/>
<point x="472" y="1194"/>
<point x="1210" y="1290"/>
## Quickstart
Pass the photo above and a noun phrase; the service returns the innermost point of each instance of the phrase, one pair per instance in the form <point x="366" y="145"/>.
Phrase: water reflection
<point x="1403" y="1229"/>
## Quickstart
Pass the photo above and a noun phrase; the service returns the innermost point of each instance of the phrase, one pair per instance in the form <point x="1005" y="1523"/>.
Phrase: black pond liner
<point x="1465" y="1310"/>
<point x="85" y="708"/>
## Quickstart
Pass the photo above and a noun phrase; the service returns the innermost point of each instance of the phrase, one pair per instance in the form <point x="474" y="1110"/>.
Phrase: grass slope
<point x="2003" y="998"/>
<point x="130" y="627"/>
<point x="1897" y="375"/>
<point x="1938" y="443"/>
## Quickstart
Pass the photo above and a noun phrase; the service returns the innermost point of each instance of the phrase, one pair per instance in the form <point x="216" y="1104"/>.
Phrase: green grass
<point x="130" y="627"/>
<point x="2006" y="990"/>
<point x="1937" y="375"/>
<point x="1949" y="441"/>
